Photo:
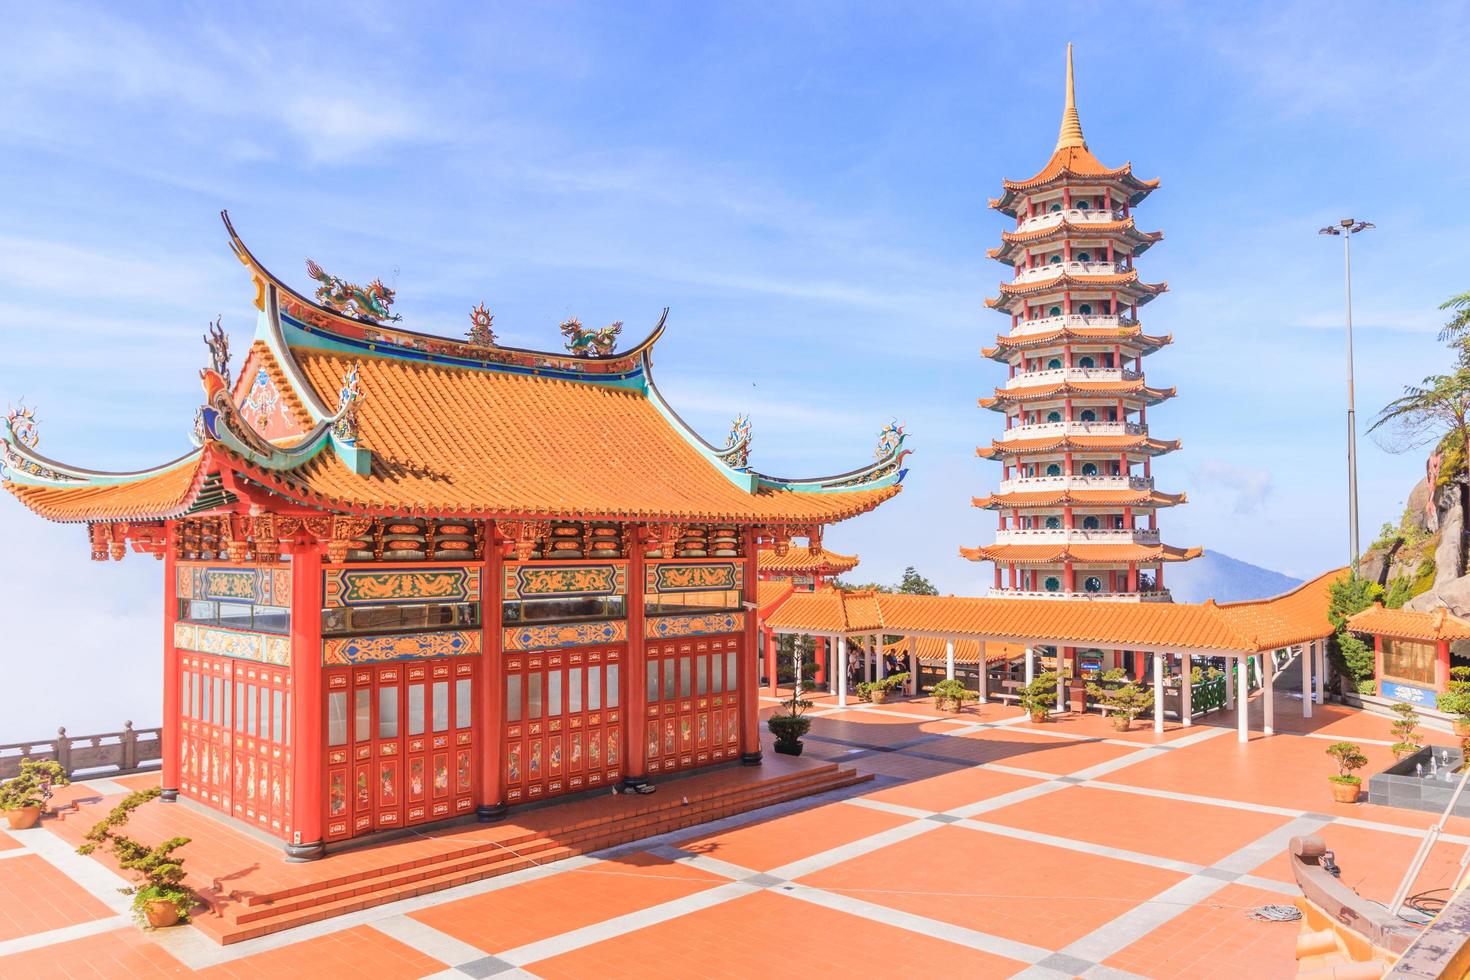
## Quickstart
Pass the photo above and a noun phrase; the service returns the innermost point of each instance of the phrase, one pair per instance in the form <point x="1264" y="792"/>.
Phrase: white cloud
<point x="1249" y="485"/>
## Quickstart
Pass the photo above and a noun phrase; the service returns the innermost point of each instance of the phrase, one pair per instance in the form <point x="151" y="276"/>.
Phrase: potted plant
<point x="159" y="898"/>
<point x="1405" y="731"/>
<point x="950" y="695"/>
<point x="886" y="686"/>
<point x="1456" y="700"/>
<point x="24" y="798"/>
<point x="865" y="690"/>
<point x="1038" y="697"/>
<point x="1124" y="699"/>
<point x="1349" y="758"/>
<point x="790" y="723"/>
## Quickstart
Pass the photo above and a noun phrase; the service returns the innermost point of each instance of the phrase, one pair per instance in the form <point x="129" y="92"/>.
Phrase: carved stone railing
<point x="108" y="754"/>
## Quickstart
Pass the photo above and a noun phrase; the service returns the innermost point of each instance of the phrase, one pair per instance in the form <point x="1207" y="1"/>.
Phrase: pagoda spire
<point x="1071" y="132"/>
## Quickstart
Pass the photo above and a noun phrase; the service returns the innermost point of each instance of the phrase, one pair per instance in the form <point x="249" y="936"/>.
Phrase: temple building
<point x="411" y="578"/>
<point x="1076" y="506"/>
<point x="784" y="570"/>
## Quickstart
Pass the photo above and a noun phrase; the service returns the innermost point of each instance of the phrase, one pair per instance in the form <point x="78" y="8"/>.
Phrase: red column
<point x="1442" y="667"/>
<point x="635" y="671"/>
<point x="750" y="721"/>
<point x="491" y="707"/>
<point x="1378" y="661"/>
<point x="1069" y="573"/>
<point x="1132" y="576"/>
<point x="821" y="672"/>
<point x="997" y="577"/>
<point x="170" y="736"/>
<point x="771" y="663"/>
<point x="307" y="734"/>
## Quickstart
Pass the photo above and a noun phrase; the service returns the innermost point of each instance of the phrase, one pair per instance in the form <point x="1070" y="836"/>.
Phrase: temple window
<point x="1055" y="206"/>
<point x="666" y="603"/>
<point x="1092" y="584"/>
<point x="1054" y="311"/>
<point x="1054" y="363"/>
<point x="360" y="620"/>
<point x="1053" y="469"/>
<point x="1053" y="584"/>
<point x="563" y="609"/>
<point x="1088" y="415"/>
<point x="1085" y="362"/>
<point x="236" y="615"/>
<point x="1082" y="205"/>
<point x="1089" y="469"/>
<point x="1408" y="661"/>
<point x="1084" y="256"/>
<point x="1089" y="523"/>
<point x="1055" y="259"/>
<point x="1053" y="523"/>
<point x="1053" y="416"/>
<point x="1086" y="308"/>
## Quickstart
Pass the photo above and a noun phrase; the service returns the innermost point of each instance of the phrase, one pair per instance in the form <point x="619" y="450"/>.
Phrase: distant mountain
<point x="1218" y="576"/>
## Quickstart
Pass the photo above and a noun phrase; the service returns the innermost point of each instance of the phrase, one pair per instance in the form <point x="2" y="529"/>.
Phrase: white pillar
<point x="1158" y="693"/>
<point x="796" y="659"/>
<point x="1230" y="684"/>
<point x="1322" y="672"/>
<point x="913" y="666"/>
<point x="1243" y="702"/>
<point x="1186" y="690"/>
<point x="1308" y="654"/>
<point x="878" y="656"/>
<point x="984" y="669"/>
<point x="949" y="664"/>
<point x="841" y="679"/>
<point x="1268" y="685"/>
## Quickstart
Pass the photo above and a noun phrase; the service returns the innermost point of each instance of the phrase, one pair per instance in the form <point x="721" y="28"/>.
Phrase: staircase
<point x="587" y="826"/>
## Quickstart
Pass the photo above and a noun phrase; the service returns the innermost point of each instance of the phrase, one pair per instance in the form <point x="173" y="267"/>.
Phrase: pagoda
<point x="1077" y="506"/>
<point x="412" y="578"/>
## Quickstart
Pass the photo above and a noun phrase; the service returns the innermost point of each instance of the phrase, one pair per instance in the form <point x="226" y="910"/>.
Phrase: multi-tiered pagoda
<point x="1077" y="506"/>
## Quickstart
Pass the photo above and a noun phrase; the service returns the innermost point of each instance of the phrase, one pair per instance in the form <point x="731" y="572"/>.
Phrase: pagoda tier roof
<point x="1072" y="163"/>
<point x="1125" y="283"/>
<point x="1122" y="230"/>
<point x="1078" y="554"/>
<point x="436" y="427"/>
<point x="1430" y="627"/>
<point x="1079" y="498"/>
<point x="1136" y="391"/>
<point x="770" y="594"/>
<point x="799" y="559"/>
<point x="1000" y="449"/>
<point x="1128" y="337"/>
<point x="1237" y="628"/>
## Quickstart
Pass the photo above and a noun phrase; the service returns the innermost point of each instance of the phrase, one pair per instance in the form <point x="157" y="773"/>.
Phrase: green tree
<point x="1351" y="657"/>
<point x="913" y="583"/>
<point x="1457" y="330"/>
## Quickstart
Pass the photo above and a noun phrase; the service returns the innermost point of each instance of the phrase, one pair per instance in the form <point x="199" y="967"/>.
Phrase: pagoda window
<point x="1053" y="523"/>
<point x="236" y="615"/>
<point x="1088" y="415"/>
<point x="1054" y="311"/>
<point x="1089" y="469"/>
<point x="1053" y="469"/>
<point x="1085" y="362"/>
<point x="1086" y="308"/>
<point x="1084" y="256"/>
<point x="1055" y="259"/>
<point x="561" y="610"/>
<point x="1054" y="363"/>
<point x="1090" y="523"/>
<point x="1053" y="416"/>
<point x="361" y="620"/>
<point x="1055" y="206"/>
<point x="1053" y="584"/>
<point x="1082" y="205"/>
<point x="1092" y="584"/>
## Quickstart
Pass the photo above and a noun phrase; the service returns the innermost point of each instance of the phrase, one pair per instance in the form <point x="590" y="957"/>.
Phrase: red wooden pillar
<point x="170" y="734"/>
<point x="1442" y="667"/>
<point x="491" y="709"/>
<point x="1378" y="661"/>
<point x="635" y="673"/>
<point x="821" y="653"/>
<point x="750" y="721"/>
<point x="308" y="736"/>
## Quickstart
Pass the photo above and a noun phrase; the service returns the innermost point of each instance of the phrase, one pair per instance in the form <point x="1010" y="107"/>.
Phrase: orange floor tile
<point x="772" y="936"/>
<point x="498" y="920"/>
<point x="36" y="897"/>
<point x="1034" y="893"/>
<point x="358" y="952"/>
<point x="1373" y="862"/>
<point x="1018" y="746"/>
<point x="952" y="788"/>
<point x="769" y="844"/>
<point x="1216" y="940"/>
<point x="124" y="952"/>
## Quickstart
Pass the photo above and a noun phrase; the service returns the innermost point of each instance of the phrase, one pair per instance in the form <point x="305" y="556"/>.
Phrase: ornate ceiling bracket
<point x="662" y="538"/>
<point x="111" y="541"/>
<point x="525" y="537"/>
<point x="338" y="532"/>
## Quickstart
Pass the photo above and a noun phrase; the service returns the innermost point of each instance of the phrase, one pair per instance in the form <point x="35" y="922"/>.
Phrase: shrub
<point x="951" y="690"/>
<point x="158" y="871"/>
<point x="892" y="682"/>
<point x="1123" y="698"/>
<point x="32" y="785"/>
<point x="1405" y="730"/>
<point x="1040" y="695"/>
<point x="865" y="690"/>
<point x="1368" y="687"/>
<point x="1349" y="758"/>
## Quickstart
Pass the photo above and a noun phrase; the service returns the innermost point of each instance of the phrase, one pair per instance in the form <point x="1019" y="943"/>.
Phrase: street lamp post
<point x="1347" y="228"/>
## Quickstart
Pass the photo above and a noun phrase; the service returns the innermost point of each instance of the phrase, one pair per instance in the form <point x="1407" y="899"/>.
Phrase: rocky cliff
<point x="1421" y="562"/>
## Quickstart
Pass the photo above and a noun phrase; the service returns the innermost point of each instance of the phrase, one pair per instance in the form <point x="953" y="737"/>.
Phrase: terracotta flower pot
<point x="880" y="696"/>
<point x="23" y="818"/>
<point x="1039" y="715"/>
<point x="949" y="704"/>
<point x="1345" y="792"/>
<point x="1121" y="722"/>
<point x="161" y="915"/>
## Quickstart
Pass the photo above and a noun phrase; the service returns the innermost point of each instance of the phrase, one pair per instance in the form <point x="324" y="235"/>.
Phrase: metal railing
<point x="107" y="754"/>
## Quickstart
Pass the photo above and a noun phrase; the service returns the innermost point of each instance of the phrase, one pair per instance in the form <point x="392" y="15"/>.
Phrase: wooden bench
<point x="1009" y="694"/>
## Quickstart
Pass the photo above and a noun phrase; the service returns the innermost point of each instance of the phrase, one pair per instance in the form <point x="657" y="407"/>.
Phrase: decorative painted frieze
<point x="564" y="581"/>
<point x="263" y="586"/>
<point x="266" y="648"/>
<point x="403" y="646"/>
<point x="550" y="637"/>
<point x="400" y="586"/>
<point x="706" y="624"/>
<point x="719" y="576"/>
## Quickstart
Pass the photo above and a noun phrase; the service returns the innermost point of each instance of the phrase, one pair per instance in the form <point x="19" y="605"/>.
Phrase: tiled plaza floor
<point x="986" y="846"/>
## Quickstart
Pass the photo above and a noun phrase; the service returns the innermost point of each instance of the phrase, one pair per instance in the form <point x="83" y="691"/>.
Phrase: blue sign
<point x="1404" y="692"/>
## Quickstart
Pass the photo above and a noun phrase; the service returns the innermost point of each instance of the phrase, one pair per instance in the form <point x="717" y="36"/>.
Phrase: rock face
<point x="1449" y="553"/>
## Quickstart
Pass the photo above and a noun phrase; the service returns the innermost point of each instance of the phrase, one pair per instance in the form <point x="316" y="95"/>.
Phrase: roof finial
<point x="1071" y="134"/>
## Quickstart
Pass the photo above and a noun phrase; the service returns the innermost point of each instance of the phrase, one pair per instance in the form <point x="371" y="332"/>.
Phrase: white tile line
<point x="836" y="855"/>
<point x="14" y="852"/>
<point x="428" y="940"/>
<point x="81" y="930"/>
<point x="95" y="879"/>
<point x="1085" y="847"/>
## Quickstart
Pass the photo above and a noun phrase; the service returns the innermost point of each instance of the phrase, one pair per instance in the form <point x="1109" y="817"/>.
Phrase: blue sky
<point x="803" y="183"/>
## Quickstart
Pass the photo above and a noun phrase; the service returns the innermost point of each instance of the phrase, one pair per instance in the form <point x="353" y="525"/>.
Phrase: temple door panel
<point x="261" y="765"/>
<point x="563" y="722"/>
<point x="693" y="694"/>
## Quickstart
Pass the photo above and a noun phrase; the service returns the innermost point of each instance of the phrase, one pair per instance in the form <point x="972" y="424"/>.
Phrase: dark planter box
<point x="1398" y="786"/>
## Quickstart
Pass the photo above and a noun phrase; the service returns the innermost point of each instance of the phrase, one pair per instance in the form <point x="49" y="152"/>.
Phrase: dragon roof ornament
<point x="345" y="426"/>
<point x="736" y="451"/>
<point x="889" y="440"/>
<point x="364" y="303"/>
<point x="590" y="343"/>
<point x="218" y="343"/>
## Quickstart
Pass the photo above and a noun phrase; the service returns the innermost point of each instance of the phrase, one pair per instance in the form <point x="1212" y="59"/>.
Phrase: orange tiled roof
<point x="1129" y="337"/>
<point x="1063" y="389"/>
<point x="770" y="594"/>
<point x="1074" y="165"/>
<point x="1410" y="625"/>
<point x="1082" y="554"/>
<point x="1064" y="279"/>
<point x="931" y="649"/>
<point x="1015" y="447"/>
<point x="1268" y="624"/>
<point x="1058" y="498"/>
<point x="799" y="559"/>
<point x="167" y="493"/>
<point x="1079" y="229"/>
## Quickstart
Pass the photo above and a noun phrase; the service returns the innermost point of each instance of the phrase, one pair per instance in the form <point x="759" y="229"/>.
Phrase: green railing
<point x="1208" y="695"/>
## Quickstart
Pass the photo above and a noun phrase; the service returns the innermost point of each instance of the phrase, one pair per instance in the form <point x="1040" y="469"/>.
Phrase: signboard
<point x="1406" y="692"/>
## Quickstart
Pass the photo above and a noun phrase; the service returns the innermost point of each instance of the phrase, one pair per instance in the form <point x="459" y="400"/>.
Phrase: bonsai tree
<point x="1349" y="758"/>
<point x="864" y="690"/>
<point x="790" y="723"/>
<point x="25" y="797"/>
<point x="1124" y="699"/>
<point x="1405" y="730"/>
<point x="950" y="695"/>
<point x="881" y="689"/>
<point x="1038" y="697"/>
<point x="160" y="898"/>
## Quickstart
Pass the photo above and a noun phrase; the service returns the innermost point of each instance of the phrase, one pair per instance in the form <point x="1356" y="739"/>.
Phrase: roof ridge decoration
<point x="590" y="343"/>
<point x="369" y="303"/>
<point x="218" y="343"/>
<point x="21" y="437"/>
<point x="736" y="453"/>
<point x="1071" y="130"/>
<point x="481" y="333"/>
